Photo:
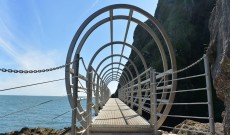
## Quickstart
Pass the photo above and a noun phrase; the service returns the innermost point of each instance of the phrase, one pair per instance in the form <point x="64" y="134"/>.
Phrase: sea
<point x="17" y="112"/>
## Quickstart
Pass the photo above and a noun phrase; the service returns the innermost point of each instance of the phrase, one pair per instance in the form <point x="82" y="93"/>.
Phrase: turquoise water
<point x="40" y="116"/>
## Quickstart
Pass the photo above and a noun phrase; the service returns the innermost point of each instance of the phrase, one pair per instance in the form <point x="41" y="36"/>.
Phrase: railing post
<point x="131" y="94"/>
<point x="97" y="96"/>
<point x="126" y="93"/>
<point x="102" y="94"/>
<point x="107" y="94"/>
<point x="209" y="95"/>
<point x="89" y="99"/>
<point x="119" y="93"/>
<point x="153" y="100"/>
<point x="122" y="95"/>
<point x="139" y="96"/>
<point x="75" y="96"/>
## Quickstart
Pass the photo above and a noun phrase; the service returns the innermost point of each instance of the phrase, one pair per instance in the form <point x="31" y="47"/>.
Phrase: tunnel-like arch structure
<point x="134" y="85"/>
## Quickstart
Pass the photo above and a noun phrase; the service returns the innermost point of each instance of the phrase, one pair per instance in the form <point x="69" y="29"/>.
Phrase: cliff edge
<point x="219" y="55"/>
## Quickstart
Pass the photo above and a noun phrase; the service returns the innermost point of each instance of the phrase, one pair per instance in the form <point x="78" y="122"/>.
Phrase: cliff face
<point x="186" y="22"/>
<point x="219" y="55"/>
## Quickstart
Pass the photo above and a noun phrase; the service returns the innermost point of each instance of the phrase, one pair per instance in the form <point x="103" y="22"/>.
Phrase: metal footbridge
<point x="145" y="94"/>
<point x="139" y="91"/>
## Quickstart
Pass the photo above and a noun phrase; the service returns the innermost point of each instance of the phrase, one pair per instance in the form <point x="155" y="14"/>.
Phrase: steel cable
<point x="26" y="108"/>
<point x="33" y="106"/>
<point x="23" y="86"/>
<point x="83" y="63"/>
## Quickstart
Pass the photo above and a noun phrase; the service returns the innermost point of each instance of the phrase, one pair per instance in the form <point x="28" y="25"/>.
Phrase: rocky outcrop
<point x="186" y="22"/>
<point x="42" y="131"/>
<point x="34" y="131"/>
<point x="189" y="127"/>
<point x="219" y="55"/>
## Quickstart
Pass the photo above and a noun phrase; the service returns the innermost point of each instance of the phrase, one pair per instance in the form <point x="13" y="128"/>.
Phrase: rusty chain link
<point x="34" y="71"/>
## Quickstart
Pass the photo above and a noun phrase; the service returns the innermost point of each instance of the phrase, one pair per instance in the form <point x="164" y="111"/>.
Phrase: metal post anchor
<point x="209" y="95"/>
<point x="75" y="95"/>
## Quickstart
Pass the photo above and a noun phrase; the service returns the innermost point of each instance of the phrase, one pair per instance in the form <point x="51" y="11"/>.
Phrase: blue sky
<point x="36" y="34"/>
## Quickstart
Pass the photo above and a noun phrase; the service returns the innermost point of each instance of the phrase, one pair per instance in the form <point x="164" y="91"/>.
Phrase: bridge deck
<point x="116" y="116"/>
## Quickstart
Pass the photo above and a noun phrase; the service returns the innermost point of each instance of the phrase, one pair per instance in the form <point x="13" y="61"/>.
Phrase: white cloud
<point x="7" y="48"/>
<point x="35" y="60"/>
<point x="32" y="59"/>
<point x="94" y="4"/>
<point x="16" y="54"/>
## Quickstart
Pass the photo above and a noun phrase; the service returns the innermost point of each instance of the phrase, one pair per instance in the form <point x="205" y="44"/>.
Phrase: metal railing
<point x="93" y="88"/>
<point x="150" y="93"/>
<point x="99" y="90"/>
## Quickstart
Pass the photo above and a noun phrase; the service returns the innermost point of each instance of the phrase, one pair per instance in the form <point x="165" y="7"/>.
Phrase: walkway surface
<point x="117" y="117"/>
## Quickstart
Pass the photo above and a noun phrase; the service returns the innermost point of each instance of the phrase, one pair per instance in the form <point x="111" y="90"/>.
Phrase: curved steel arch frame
<point x="119" y="68"/>
<point x="105" y="75"/>
<point x="132" y="63"/>
<point x="118" y="78"/>
<point x="113" y="78"/>
<point x="119" y="43"/>
<point x="109" y="8"/>
<point x="110" y="78"/>
<point x="115" y="75"/>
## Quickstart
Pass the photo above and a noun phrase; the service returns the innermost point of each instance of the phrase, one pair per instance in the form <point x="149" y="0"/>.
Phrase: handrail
<point x="133" y="97"/>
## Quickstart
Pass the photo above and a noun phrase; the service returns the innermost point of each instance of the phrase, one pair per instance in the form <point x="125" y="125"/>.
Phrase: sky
<point x="36" y="34"/>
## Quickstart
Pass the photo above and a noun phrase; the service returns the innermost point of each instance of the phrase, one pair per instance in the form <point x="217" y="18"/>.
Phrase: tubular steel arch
<point x="119" y="69"/>
<point x="119" y="43"/>
<point x="105" y="75"/>
<point x="100" y="81"/>
<point x="132" y="63"/>
<point x="118" y="79"/>
<point x="110" y="75"/>
<point x="113" y="75"/>
<point x="111" y="79"/>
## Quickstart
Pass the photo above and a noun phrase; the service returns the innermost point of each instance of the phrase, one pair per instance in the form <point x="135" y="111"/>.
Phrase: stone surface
<point x="182" y="128"/>
<point x="42" y="131"/>
<point x="219" y="55"/>
<point x="186" y="23"/>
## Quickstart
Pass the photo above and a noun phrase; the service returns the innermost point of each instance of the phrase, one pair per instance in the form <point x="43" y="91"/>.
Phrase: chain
<point x="34" y="71"/>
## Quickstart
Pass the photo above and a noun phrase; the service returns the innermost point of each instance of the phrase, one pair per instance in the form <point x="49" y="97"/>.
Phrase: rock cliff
<point x="186" y="22"/>
<point x="219" y="55"/>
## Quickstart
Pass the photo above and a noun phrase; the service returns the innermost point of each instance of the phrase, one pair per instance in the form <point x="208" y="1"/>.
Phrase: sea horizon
<point x="43" y="113"/>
